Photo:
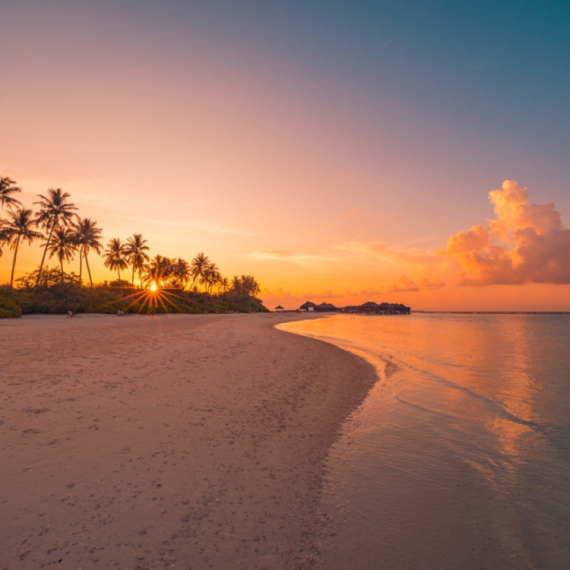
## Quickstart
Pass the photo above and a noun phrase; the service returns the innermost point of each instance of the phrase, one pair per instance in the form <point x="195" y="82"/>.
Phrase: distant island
<point x="368" y="308"/>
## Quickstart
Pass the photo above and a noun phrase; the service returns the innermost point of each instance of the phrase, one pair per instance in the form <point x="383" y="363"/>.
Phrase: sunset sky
<point x="337" y="151"/>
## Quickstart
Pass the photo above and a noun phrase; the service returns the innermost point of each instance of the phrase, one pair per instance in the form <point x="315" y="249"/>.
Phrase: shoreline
<point x="183" y="440"/>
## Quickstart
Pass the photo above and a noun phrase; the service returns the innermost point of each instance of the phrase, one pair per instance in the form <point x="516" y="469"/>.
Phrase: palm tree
<point x="245" y="285"/>
<point x="210" y="276"/>
<point x="249" y="285"/>
<point x="115" y="256"/>
<point x="87" y="236"/>
<point x="3" y="236"/>
<point x="197" y="267"/>
<point x="181" y="272"/>
<point x="19" y="227"/>
<point x="54" y="212"/>
<point x="64" y="245"/>
<point x="158" y="270"/>
<point x="6" y="188"/>
<point x="223" y="285"/>
<point x="135" y="250"/>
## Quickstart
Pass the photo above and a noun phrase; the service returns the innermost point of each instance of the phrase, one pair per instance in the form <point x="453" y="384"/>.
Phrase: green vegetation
<point x="9" y="308"/>
<point x="162" y="281"/>
<point x="53" y="296"/>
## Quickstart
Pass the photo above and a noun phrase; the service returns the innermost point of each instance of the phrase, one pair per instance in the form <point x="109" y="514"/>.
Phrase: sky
<point x="402" y="151"/>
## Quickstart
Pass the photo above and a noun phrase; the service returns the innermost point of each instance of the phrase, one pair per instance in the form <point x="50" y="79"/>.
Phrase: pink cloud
<point x="431" y="285"/>
<point x="526" y="243"/>
<point x="394" y="255"/>
<point x="404" y="285"/>
<point x="407" y="285"/>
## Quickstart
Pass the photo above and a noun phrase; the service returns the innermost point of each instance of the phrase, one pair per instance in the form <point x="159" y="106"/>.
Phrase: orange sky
<point x="277" y="160"/>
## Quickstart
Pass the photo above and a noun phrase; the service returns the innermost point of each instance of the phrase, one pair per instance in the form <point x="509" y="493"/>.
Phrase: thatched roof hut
<point x="325" y="307"/>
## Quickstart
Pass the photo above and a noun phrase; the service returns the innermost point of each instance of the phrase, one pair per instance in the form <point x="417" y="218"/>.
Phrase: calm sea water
<point x="460" y="455"/>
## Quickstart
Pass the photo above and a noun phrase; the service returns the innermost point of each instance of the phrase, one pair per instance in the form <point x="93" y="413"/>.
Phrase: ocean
<point x="460" y="455"/>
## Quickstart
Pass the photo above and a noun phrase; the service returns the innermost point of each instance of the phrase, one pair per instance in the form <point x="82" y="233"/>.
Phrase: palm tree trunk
<point x="119" y="274"/>
<point x="44" y="255"/>
<point x="14" y="263"/>
<point x="80" y="267"/>
<point x="61" y="265"/>
<point x="133" y="279"/>
<point x="88" y="269"/>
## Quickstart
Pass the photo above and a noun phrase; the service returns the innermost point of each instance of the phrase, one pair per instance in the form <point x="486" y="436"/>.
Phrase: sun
<point x="153" y="286"/>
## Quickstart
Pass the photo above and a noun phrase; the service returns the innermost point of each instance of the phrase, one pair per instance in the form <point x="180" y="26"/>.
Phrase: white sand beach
<point x="175" y="441"/>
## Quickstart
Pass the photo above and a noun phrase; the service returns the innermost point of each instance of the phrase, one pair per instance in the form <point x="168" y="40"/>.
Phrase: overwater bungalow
<point x="372" y="308"/>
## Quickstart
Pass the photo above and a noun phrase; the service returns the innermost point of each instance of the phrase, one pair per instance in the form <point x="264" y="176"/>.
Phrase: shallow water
<point x="460" y="455"/>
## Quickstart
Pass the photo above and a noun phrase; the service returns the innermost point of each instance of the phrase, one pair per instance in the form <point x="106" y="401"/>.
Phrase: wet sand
<point x="167" y="442"/>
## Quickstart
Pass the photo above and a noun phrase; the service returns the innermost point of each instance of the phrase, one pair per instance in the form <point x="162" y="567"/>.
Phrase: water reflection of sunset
<point x="476" y="369"/>
<point x="467" y="402"/>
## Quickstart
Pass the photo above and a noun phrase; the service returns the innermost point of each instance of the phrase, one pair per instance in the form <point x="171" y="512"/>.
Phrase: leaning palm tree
<point x="54" y="212"/>
<point x="6" y="188"/>
<point x="87" y="236"/>
<point x="136" y="249"/>
<point x="64" y="245"/>
<point x="115" y="256"/>
<point x="19" y="227"/>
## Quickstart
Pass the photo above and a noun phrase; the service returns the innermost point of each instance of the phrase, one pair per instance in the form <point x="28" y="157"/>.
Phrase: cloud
<point x="526" y="243"/>
<point x="406" y="285"/>
<point x="431" y="285"/>
<point x="392" y="254"/>
<point x="207" y="227"/>
<point x="304" y="259"/>
<point x="475" y="238"/>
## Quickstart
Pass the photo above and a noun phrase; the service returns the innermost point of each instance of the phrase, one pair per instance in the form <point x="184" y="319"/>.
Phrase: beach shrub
<point x="57" y="299"/>
<point x="52" y="296"/>
<point x="9" y="309"/>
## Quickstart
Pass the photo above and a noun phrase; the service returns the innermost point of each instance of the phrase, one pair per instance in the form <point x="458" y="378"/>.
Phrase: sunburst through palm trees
<point x="163" y="280"/>
<point x="154" y="297"/>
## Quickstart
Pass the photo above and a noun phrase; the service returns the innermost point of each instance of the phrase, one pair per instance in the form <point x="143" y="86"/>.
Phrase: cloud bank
<point x="304" y="259"/>
<point x="527" y="243"/>
<point x="395" y="255"/>
<point x="407" y="285"/>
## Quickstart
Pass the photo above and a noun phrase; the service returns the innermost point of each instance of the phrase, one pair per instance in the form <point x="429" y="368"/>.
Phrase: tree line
<point x="64" y="235"/>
